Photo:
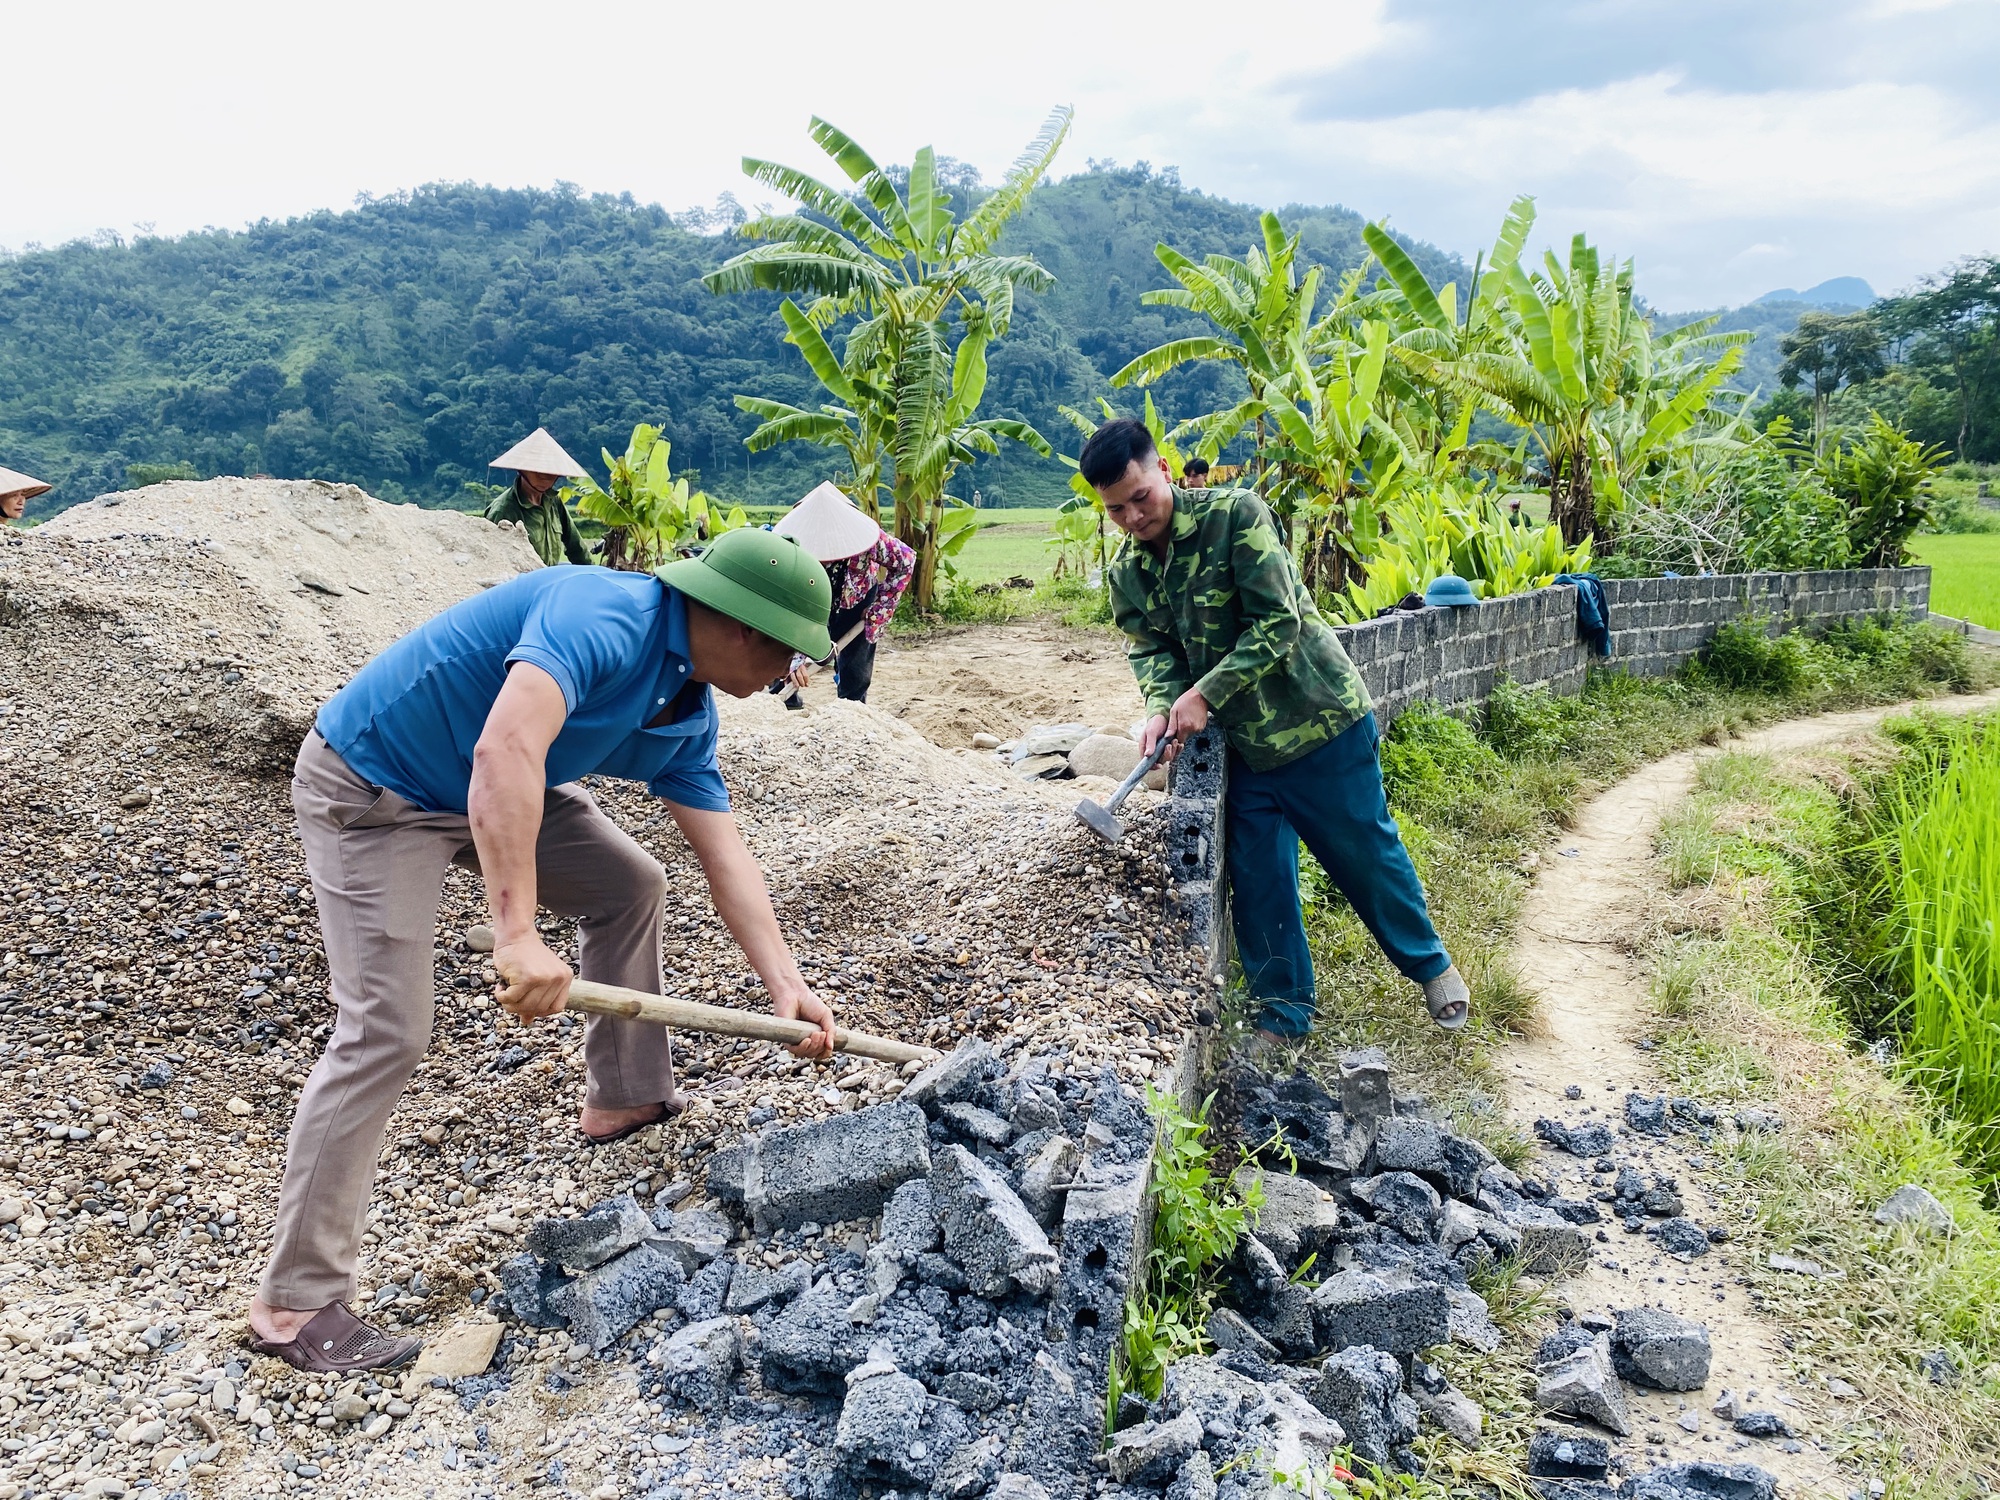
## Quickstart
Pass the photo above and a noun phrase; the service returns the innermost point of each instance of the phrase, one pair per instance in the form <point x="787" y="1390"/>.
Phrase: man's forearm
<point x="504" y="807"/>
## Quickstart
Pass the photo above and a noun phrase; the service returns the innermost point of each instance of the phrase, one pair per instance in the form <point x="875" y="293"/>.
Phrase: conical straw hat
<point x="828" y="525"/>
<point x="538" y="453"/>
<point x="13" y="482"/>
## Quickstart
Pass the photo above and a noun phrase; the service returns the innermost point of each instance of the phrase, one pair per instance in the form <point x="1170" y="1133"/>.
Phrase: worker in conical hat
<point x="869" y="570"/>
<point x="16" y="490"/>
<point x="539" y="463"/>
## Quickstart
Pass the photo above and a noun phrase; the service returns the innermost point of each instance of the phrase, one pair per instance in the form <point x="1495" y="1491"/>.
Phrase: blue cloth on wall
<point x="1593" y="615"/>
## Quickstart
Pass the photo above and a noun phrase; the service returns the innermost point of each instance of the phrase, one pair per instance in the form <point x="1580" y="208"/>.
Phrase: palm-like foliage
<point x="649" y="516"/>
<point x="1263" y="308"/>
<point x="929" y="292"/>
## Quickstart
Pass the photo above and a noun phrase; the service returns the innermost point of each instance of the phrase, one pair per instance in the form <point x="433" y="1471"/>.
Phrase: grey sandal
<point x="1449" y="999"/>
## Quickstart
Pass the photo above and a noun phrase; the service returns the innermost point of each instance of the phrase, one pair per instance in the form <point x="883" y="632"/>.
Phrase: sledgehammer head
<point x="1100" y="822"/>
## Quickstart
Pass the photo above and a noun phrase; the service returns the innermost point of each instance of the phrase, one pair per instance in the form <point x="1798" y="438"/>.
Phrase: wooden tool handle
<point x="690" y="1015"/>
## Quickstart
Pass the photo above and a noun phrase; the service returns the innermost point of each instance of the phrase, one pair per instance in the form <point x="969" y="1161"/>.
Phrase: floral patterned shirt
<point x="886" y="567"/>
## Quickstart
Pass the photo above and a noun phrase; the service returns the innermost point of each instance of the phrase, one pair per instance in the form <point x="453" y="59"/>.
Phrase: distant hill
<point x="1770" y="318"/>
<point x="1841" y="294"/>
<point x="403" y="343"/>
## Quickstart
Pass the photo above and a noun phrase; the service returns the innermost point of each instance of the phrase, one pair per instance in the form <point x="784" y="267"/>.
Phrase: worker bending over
<point x="867" y="569"/>
<point x="1220" y="624"/>
<point x="463" y="743"/>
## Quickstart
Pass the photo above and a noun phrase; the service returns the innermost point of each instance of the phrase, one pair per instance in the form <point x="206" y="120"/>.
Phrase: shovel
<point x="1102" y="820"/>
<point x="690" y="1015"/>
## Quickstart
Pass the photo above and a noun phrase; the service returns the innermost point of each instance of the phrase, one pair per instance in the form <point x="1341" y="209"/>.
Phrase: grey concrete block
<point x="988" y="1231"/>
<point x="594" y="1236"/>
<point x="529" y="1282"/>
<point x="909" y="1221"/>
<point x="844" y="1167"/>
<point x="608" y="1300"/>
<point x="1153" y="1452"/>
<point x="1653" y="1347"/>
<point x="1356" y="1307"/>
<point x="1583" y="1383"/>
<point x="1296" y="1219"/>
<point x="695" y="1236"/>
<point x="699" y="1363"/>
<point x="1362" y="1390"/>
<point x="1701" y="1481"/>
<point x="954" y="1077"/>
<point x="881" y="1421"/>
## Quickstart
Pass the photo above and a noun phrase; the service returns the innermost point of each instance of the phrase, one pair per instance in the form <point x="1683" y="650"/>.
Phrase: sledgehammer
<point x="1103" y="820"/>
<point x="690" y="1015"/>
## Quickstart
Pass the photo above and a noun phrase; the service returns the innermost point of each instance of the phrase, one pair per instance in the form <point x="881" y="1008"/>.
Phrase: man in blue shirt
<point x="462" y="743"/>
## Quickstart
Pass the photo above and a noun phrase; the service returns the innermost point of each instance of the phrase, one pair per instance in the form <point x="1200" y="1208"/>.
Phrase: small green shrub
<point x="1198" y="1217"/>
<point x="1430" y="760"/>
<point x="1745" y="655"/>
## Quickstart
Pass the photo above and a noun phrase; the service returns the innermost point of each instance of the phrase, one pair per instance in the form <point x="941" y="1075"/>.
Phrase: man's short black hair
<point x="1197" y="468"/>
<point x="1113" y="448"/>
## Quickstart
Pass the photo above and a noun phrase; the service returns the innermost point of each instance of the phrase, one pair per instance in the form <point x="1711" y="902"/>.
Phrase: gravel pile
<point x="162" y="993"/>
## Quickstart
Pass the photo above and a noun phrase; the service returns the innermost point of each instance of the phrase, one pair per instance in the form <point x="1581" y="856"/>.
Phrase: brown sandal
<point x="335" y="1342"/>
<point x="668" y="1109"/>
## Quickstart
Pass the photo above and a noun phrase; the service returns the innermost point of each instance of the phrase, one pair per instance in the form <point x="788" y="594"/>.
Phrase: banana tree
<point x="1263" y="308"/>
<point x="860" y="420"/>
<point x="914" y="274"/>
<point x="650" y="517"/>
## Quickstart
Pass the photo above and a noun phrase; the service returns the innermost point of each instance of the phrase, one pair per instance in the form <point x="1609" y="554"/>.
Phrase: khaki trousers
<point x="377" y="866"/>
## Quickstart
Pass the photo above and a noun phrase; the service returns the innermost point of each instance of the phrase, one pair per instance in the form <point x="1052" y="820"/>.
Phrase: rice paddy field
<point x="1965" y="575"/>
<point x="1938" y="860"/>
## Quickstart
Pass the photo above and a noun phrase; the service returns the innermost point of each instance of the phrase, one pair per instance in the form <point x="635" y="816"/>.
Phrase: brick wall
<point x="1454" y="656"/>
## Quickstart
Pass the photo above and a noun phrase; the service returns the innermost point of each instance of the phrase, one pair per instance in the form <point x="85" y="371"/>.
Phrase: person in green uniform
<point x="531" y="502"/>
<point x="1222" y="629"/>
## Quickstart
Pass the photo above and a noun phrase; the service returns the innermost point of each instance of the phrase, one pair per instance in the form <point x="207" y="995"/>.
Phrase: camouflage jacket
<point x="1226" y="612"/>
<point x="551" y="528"/>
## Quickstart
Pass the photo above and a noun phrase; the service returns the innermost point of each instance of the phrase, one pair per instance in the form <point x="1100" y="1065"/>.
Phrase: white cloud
<point x="1731" y="160"/>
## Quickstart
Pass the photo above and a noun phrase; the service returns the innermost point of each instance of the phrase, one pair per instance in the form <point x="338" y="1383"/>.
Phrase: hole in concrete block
<point x="1098" y="1258"/>
<point x="1086" y="1317"/>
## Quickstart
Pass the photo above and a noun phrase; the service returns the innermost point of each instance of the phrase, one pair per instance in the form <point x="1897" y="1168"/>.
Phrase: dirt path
<point x="952" y="684"/>
<point x="1577" y="947"/>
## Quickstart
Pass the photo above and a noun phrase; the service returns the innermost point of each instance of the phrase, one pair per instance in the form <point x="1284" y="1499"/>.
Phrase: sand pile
<point x="223" y="612"/>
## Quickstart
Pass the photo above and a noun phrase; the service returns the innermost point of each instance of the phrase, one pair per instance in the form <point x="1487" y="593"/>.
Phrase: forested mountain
<point x="402" y="344"/>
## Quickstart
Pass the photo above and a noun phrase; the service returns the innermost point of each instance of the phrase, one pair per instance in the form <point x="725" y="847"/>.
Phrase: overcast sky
<point x="1730" y="147"/>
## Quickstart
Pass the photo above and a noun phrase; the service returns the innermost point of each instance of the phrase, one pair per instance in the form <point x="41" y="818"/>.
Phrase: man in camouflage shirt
<point x="1221" y="625"/>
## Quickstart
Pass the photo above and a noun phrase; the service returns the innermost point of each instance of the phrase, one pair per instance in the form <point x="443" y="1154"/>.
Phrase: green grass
<point x="1939" y="865"/>
<point x="1010" y="544"/>
<point x="1752" y="1004"/>
<point x="1965" y="575"/>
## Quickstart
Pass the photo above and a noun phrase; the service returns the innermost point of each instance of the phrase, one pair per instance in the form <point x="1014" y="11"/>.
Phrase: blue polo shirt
<point x="616" y="644"/>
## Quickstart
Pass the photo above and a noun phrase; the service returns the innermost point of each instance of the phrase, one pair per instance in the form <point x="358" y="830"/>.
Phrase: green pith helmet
<point x="766" y="581"/>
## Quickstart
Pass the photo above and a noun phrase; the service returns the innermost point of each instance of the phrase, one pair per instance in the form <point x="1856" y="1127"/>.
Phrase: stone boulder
<point x="1656" y="1348"/>
<point x="1362" y="1389"/>
<point x="844" y="1167"/>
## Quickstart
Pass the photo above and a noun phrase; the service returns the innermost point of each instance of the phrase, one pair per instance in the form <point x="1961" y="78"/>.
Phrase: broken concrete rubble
<point x="1356" y="1308"/>
<point x="700" y="1361"/>
<point x="1584" y="1383"/>
<point x="987" y="1229"/>
<point x="1701" y="1481"/>
<point x="1152" y="1453"/>
<point x="1361" y="1388"/>
<point x="1653" y="1347"/>
<point x="605" y="1302"/>
<point x="593" y="1237"/>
